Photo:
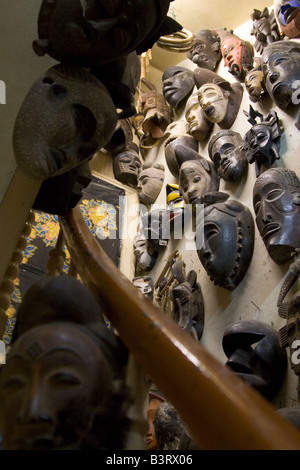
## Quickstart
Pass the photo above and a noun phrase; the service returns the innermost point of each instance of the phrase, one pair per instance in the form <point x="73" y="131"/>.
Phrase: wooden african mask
<point x="276" y="203"/>
<point x="126" y="165"/>
<point x="254" y="354"/>
<point x="221" y="91"/>
<point x="206" y="49"/>
<point x="237" y="54"/>
<point x="144" y="253"/>
<point x="228" y="242"/>
<point x="169" y="428"/>
<point x="145" y="285"/>
<point x="66" y="117"/>
<point x="150" y="182"/>
<point x="177" y="134"/>
<point x="156" y="228"/>
<point x="265" y="29"/>
<point x="254" y="81"/>
<point x="62" y="371"/>
<point x="281" y="68"/>
<point x="225" y="149"/>
<point x="290" y="310"/>
<point x="155" y="398"/>
<point x="262" y="141"/>
<point x="197" y="176"/>
<point x="177" y="85"/>
<point x="121" y="138"/>
<point x="90" y="32"/>
<point x="288" y="17"/>
<point x="188" y="305"/>
<point x="198" y="124"/>
<point x="156" y="110"/>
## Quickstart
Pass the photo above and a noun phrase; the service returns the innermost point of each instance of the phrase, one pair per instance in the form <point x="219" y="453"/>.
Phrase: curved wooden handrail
<point x="221" y="411"/>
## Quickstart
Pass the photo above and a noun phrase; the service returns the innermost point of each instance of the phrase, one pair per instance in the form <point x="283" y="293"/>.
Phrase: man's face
<point x="54" y="378"/>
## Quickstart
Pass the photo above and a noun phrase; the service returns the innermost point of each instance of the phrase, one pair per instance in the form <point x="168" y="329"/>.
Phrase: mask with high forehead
<point x="177" y="134"/>
<point x="228" y="242"/>
<point x="288" y="17"/>
<point x="265" y="29"/>
<point x="177" y="84"/>
<point x="254" y="82"/>
<point x="213" y="101"/>
<point x="206" y="49"/>
<point x="276" y="203"/>
<point x="62" y="372"/>
<point x="255" y="355"/>
<point x="198" y="124"/>
<point x="226" y="151"/>
<point x="96" y="32"/>
<point x="66" y="117"/>
<point x="281" y="69"/>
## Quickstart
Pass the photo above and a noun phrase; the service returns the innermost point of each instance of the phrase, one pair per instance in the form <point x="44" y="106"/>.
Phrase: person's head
<point x="197" y="175"/>
<point x="126" y="166"/>
<point x="206" y="49"/>
<point x="276" y="203"/>
<point x="96" y="33"/>
<point x="63" y="382"/>
<point x="198" y="124"/>
<point x="228" y="242"/>
<point x="65" y="118"/>
<point x="226" y="151"/>
<point x="177" y="84"/>
<point x="214" y="101"/>
<point x="281" y="69"/>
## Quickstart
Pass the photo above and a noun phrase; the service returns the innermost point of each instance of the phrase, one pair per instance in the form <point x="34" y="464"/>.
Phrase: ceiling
<point x="195" y="15"/>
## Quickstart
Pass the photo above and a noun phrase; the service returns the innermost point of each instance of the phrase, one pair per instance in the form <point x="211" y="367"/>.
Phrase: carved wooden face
<point x="214" y="101"/>
<point x="90" y="32"/>
<point x="66" y="117"/>
<point x="281" y="68"/>
<point x="225" y="150"/>
<point x="254" y="84"/>
<point x="150" y="182"/>
<point x="154" y="402"/>
<point x="199" y="125"/>
<point x="196" y="178"/>
<point x="177" y="84"/>
<point x="55" y="378"/>
<point x="276" y="202"/>
<point x="176" y="134"/>
<point x="254" y="353"/>
<point x="232" y="52"/>
<point x="228" y="242"/>
<point x="206" y="50"/>
<point x="126" y="166"/>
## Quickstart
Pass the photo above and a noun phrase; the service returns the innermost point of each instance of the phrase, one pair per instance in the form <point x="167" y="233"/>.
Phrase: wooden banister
<point x="221" y="411"/>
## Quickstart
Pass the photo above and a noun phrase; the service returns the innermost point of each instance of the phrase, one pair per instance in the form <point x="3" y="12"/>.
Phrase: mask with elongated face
<point x="276" y="202"/>
<point x="237" y="55"/>
<point x="177" y="134"/>
<point x="198" y="124"/>
<point x="226" y="151"/>
<point x="206" y="49"/>
<point x="265" y="29"/>
<point x="254" y="82"/>
<point x="67" y="116"/>
<point x="281" y="69"/>
<point x="228" y="242"/>
<point x="255" y="355"/>
<point x="126" y="165"/>
<point x="91" y="33"/>
<point x="150" y="182"/>
<point x="177" y="84"/>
